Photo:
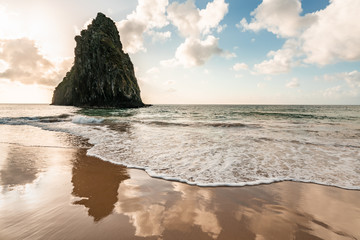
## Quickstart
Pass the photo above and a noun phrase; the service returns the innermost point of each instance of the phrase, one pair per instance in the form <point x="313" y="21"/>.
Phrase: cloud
<point x="281" y="17"/>
<point x="281" y="61"/>
<point x="323" y="37"/>
<point x="352" y="80"/>
<point x="25" y="64"/>
<point x="240" y="66"/>
<point x="3" y="66"/>
<point x="333" y="92"/>
<point x="149" y="15"/>
<point x="211" y="16"/>
<point x="193" y="22"/>
<point x="186" y="17"/>
<point x="197" y="26"/>
<point x="227" y="54"/>
<point x="335" y="36"/>
<point x="159" y="36"/>
<point x="153" y="70"/>
<point x="194" y="52"/>
<point x="151" y="74"/>
<point x="294" y="83"/>
<point x="131" y="34"/>
<point x="221" y="28"/>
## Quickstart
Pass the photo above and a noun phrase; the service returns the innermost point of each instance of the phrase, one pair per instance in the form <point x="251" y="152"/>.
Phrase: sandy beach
<point x="50" y="189"/>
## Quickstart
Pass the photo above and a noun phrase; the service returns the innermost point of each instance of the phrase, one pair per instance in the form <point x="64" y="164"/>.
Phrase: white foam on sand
<point x="86" y="120"/>
<point x="211" y="156"/>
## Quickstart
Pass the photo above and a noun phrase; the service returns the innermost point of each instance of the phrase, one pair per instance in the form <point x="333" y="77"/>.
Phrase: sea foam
<point x="86" y="120"/>
<point x="210" y="149"/>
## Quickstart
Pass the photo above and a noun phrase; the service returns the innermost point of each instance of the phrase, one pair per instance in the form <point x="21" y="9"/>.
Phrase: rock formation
<point x="102" y="74"/>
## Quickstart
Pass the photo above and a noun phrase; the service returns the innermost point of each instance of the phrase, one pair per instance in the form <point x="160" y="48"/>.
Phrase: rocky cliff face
<point x="102" y="74"/>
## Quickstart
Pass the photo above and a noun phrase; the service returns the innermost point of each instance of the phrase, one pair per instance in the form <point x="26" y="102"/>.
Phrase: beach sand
<point x="50" y="189"/>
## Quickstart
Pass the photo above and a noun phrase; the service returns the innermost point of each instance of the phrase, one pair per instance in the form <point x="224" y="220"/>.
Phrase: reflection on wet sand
<point x="60" y="193"/>
<point x="286" y="210"/>
<point x="96" y="182"/>
<point x="20" y="169"/>
<point x="170" y="209"/>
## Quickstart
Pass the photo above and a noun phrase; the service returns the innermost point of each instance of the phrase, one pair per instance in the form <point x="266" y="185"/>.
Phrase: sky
<point x="193" y="51"/>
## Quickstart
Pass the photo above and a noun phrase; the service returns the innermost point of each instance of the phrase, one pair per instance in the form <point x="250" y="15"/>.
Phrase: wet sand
<point x="50" y="189"/>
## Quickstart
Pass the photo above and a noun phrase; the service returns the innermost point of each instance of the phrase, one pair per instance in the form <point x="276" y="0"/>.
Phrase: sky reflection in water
<point x="58" y="191"/>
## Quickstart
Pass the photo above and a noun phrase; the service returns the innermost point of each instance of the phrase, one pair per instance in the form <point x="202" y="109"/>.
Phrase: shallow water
<point x="57" y="192"/>
<point x="212" y="145"/>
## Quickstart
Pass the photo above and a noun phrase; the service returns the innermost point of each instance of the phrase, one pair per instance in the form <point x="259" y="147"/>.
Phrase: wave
<point x="86" y="120"/>
<point x="163" y="123"/>
<point x="223" y="156"/>
<point x="269" y="180"/>
<point x="27" y="120"/>
<point x="232" y="125"/>
<point x="304" y="142"/>
<point x="199" y="124"/>
<point x="288" y="115"/>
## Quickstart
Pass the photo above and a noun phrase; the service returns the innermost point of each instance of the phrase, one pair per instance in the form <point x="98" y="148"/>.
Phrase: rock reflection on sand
<point x="55" y="191"/>
<point x="152" y="211"/>
<point x="96" y="182"/>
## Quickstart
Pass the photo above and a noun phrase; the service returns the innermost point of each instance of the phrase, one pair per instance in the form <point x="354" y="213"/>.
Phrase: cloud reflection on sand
<point x="152" y="211"/>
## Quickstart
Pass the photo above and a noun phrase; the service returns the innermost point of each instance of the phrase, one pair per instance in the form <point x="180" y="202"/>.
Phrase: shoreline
<point x="58" y="192"/>
<point x="215" y="185"/>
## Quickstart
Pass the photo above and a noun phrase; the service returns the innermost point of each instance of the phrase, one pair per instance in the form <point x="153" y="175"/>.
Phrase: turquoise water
<point x="211" y="145"/>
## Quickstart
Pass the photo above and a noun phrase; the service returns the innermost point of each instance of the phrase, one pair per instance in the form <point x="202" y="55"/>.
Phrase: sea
<point x="211" y="145"/>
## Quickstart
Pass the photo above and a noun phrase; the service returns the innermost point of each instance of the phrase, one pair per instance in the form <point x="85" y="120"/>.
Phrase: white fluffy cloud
<point x="335" y="35"/>
<point x="25" y="64"/>
<point x="159" y="36"/>
<point x="194" y="52"/>
<point x="149" y="15"/>
<point x="240" y="66"/>
<point x="186" y="17"/>
<point x="211" y="16"/>
<point x="281" y="17"/>
<point x="322" y="37"/>
<point x="294" y="83"/>
<point x="196" y="26"/>
<point x="193" y="22"/>
<point x="281" y="61"/>
<point x="352" y="80"/>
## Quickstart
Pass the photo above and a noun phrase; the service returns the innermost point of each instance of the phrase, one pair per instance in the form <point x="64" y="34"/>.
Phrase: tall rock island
<point x="102" y="74"/>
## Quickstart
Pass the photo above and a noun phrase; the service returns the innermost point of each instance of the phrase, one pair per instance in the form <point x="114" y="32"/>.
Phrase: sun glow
<point x="15" y="92"/>
<point x="41" y="59"/>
